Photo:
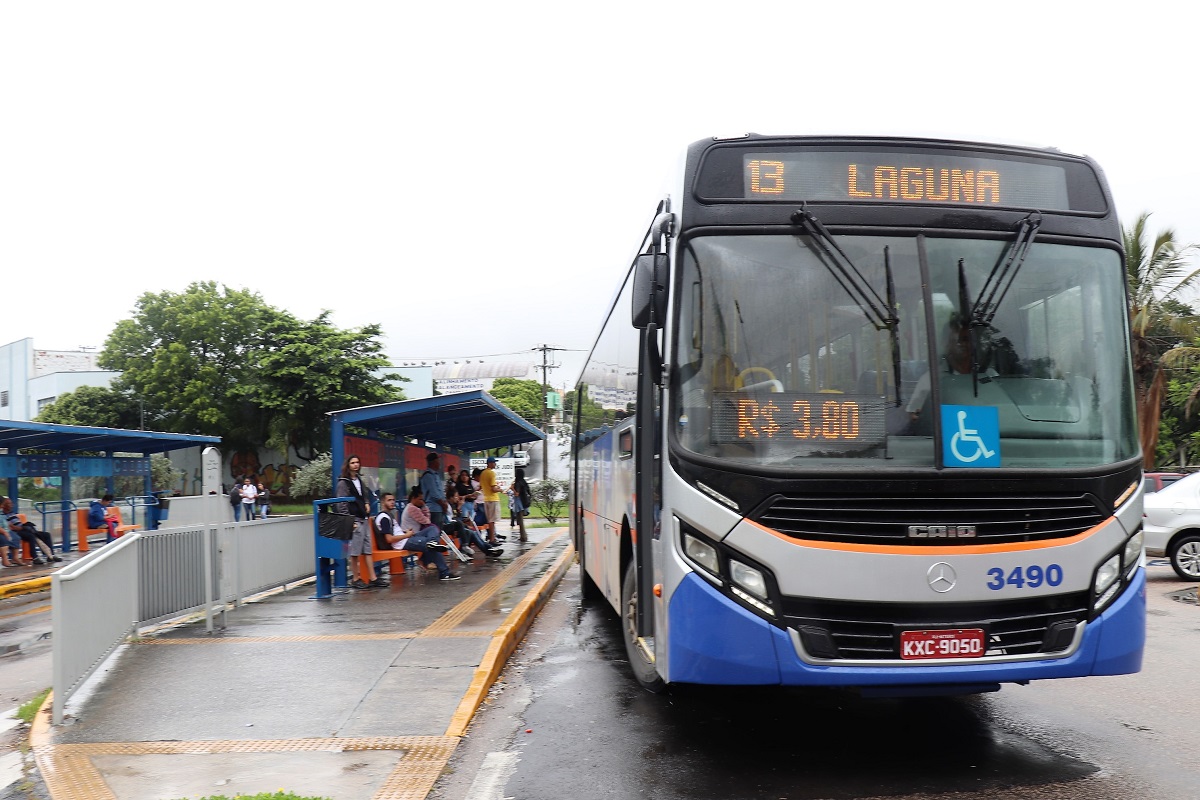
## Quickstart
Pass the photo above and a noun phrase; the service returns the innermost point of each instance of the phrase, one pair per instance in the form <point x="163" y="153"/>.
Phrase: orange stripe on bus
<point x="915" y="550"/>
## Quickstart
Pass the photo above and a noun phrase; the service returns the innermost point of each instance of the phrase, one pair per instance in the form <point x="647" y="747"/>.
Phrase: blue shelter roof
<point x="17" y="435"/>
<point x="464" y="421"/>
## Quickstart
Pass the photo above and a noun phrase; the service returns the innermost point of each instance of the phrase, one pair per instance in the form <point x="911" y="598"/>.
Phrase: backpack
<point x="235" y="495"/>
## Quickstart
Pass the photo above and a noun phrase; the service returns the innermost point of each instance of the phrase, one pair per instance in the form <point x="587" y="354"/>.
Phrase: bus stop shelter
<point x="399" y="435"/>
<point x="67" y="452"/>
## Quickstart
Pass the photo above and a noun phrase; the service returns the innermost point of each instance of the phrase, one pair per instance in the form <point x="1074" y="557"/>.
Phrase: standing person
<point x="433" y="489"/>
<point x="514" y="507"/>
<point x="98" y="517"/>
<point x="235" y="500"/>
<point x="350" y="484"/>
<point x="249" y="493"/>
<point x="451" y="475"/>
<point x="264" y="501"/>
<point x="523" y="496"/>
<point x="491" y="498"/>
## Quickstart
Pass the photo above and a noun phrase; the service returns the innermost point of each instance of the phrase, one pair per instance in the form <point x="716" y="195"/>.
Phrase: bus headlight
<point x="703" y="553"/>
<point x="1133" y="552"/>
<point x="748" y="578"/>
<point x="1105" y="584"/>
<point x="750" y="585"/>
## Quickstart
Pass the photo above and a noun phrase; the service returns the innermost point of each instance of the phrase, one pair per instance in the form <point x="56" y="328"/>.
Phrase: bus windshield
<point x="781" y="362"/>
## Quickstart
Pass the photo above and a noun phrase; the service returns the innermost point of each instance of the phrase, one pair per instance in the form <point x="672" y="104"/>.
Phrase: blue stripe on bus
<point x="714" y="640"/>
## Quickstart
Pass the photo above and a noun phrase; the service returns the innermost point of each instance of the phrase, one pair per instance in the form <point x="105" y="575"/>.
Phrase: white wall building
<point x="31" y="379"/>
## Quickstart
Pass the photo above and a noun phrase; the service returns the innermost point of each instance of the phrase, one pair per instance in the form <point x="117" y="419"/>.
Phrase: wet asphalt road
<point x="568" y="722"/>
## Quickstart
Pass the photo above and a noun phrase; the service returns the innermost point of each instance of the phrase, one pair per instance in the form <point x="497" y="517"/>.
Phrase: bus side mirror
<point x="650" y="289"/>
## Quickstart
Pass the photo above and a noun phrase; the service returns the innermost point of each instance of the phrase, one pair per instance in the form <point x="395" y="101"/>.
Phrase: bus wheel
<point x="1185" y="557"/>
<point x="642" y="666"/>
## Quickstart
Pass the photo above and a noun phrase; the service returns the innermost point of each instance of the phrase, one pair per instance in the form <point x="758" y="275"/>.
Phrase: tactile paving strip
<point x="70" y="774"/>
<point x="456" y="615"/>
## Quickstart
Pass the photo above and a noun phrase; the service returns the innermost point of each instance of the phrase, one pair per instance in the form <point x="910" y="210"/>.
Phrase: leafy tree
<point x="522" y="397"/>
<point x="549" y="498"/>
<point x="94" y="406"/>
<point x="187" y="354"/>
<point x="221" y="362"/>
<point x="308" y="368"/>
<point x="1157" y="274"/>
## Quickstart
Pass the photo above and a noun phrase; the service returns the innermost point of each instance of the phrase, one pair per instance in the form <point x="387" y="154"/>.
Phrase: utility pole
<point x="546" y="365"/>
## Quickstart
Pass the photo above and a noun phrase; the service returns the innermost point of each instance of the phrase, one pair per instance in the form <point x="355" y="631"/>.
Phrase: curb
<point x="24" y="587"/>
<point x="505" y="641"/>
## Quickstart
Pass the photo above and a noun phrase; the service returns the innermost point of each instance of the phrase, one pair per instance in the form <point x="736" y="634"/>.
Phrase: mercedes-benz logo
<point x="941" y="577"/>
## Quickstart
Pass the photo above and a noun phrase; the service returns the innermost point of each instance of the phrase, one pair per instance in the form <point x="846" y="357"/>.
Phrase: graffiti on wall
<point x="276" y="477"/>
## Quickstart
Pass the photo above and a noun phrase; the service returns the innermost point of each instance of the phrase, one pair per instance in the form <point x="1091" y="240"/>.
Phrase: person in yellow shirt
<point x="491" y="498"/>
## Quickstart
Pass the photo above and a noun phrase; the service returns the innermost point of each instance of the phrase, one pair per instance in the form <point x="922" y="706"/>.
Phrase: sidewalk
<point x="360" y="697"/>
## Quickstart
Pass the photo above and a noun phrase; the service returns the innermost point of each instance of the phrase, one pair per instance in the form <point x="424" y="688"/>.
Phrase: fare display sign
<point x="825" y="420"/>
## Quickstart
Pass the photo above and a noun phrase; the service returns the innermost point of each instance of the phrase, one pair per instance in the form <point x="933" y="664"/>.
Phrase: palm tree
<point x="1157" y="276"/>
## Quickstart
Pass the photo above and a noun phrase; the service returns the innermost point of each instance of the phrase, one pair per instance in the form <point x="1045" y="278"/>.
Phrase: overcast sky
<point x="403" y="163"/>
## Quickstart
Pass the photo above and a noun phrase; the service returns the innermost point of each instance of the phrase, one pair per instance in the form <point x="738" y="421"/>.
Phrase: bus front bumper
<point x="713" y="640"/>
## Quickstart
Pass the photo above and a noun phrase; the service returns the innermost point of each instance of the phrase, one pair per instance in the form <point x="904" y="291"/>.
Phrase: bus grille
<point x="867" y="519"/>
<point x="862" y="631"/>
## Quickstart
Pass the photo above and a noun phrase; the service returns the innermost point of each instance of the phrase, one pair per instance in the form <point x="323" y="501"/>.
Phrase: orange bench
<point x="82" y="530"/>
<point x="366" y="571"/>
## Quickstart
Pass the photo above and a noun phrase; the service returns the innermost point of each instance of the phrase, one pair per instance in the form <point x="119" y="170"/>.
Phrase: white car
<point x="520" y="458"/>
<point x="1172" y="525"/>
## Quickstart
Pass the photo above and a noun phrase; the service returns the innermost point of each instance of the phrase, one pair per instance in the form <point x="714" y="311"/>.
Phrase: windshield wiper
<point x="1001" y="278"/>
<point x="879" y="312"/>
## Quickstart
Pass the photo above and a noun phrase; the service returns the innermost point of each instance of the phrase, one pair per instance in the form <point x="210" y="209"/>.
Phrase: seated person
<point x="417" y="532"/>
<point x="28" y="532"/>
<point x="469" y="529"/>
<point x="99" y="517"/>
<point x="958" y="354"/>
<point x="10" y="547"/>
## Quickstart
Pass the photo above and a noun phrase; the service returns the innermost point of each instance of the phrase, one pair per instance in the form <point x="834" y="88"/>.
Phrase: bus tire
<point x="643" y="668"/>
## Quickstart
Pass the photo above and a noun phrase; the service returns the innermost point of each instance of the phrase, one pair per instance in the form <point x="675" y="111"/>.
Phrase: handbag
<point x="332" y="525"/>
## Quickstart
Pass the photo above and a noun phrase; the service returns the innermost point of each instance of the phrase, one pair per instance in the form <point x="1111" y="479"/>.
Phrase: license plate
<point x="958" y="643"/>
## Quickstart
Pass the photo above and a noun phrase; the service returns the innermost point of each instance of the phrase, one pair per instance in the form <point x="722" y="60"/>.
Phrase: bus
<point x="861" y="415"/>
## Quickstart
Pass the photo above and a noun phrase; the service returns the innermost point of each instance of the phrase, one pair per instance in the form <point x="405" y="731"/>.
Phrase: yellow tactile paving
<point x="338" y="637"/>
<point x="460" y="612"/>
<point x="70" y="774"/>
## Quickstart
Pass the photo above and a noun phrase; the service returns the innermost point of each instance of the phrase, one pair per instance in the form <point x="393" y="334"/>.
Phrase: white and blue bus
<point x="861" y="415"/>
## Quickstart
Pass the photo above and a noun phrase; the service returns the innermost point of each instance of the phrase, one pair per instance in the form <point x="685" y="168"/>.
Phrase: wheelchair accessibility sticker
<point x="970" y="436"/>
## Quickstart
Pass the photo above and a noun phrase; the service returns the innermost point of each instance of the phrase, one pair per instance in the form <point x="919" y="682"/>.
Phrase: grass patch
<point x="29" y="710"/>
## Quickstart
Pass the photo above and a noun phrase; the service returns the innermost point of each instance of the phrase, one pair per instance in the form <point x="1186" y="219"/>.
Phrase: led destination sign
<point x="913" y="177"/>
<point x="824" y="420"/>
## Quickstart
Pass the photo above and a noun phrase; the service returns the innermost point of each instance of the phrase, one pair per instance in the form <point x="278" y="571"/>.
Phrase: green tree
<point x="1158" y="274"/>
<point x="186" y="354"/>
<point x="221" y="362"/>
<point x="306" y="369"/>
<point x="522" y="397"/>
<point x="94" y="406"/>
